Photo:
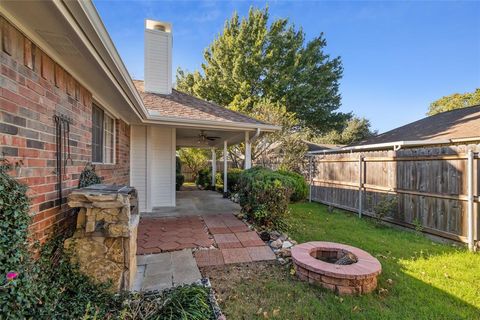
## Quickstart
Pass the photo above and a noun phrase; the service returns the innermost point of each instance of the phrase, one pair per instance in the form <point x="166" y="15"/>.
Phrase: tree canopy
<point x="355" y="130"/>
<point x="454" y="101"/>
<point x="253" y="60"/>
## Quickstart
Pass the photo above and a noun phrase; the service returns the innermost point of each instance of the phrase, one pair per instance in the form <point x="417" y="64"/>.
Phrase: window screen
<point x="109" y="139"/>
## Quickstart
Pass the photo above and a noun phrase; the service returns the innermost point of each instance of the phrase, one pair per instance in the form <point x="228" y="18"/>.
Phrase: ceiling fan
<point x="202" y="137"/>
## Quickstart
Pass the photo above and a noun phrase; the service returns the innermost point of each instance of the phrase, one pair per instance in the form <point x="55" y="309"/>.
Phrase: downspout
<point x="255" y="136"/>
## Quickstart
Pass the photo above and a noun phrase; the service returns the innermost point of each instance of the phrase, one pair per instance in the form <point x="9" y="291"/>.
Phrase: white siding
<point x="161" y="151"/>
<point x="152" y="165"/>
<point x="138" y="164"/>
<point x="158" y="61"/>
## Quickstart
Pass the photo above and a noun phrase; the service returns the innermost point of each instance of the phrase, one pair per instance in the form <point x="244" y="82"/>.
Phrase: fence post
<point x="310" y="177"/>
<point x="470" y="199"/>
<point x="360" y="186"/>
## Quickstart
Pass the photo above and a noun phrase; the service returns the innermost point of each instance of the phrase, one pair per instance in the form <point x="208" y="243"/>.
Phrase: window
<point x="103" y="136"/>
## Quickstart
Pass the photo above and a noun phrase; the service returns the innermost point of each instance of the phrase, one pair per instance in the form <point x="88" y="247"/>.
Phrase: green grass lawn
<point x="428" y="280"/>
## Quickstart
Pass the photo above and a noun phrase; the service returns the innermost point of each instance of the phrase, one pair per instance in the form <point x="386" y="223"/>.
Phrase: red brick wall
<point x="33" y="89"/>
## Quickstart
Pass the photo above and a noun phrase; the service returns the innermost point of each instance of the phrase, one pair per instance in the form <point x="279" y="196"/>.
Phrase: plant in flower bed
<point x="186" y="302"/>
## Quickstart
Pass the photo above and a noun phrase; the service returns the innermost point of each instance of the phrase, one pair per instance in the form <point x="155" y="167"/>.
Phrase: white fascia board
<point x="181" y="122"/>
<point x="382" y="146"/>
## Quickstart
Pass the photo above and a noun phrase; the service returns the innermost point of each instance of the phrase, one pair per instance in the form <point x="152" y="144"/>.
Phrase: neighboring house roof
<point x="321" y="146"/>
<point x="185" y="106"/>
<point x="456" y="124"/>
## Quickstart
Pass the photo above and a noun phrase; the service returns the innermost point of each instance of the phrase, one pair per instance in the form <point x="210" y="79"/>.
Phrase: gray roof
<point x="455" y="124"/>
<point x="185" y="106"/>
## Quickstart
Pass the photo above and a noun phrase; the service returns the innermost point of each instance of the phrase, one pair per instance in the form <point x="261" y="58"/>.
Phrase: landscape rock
<point x="287" y="244"/>
<point x="277" y="244"/>
<point x="274" y="235"/>
<point x="285" y="253"/>
<point x="265" y="236"/>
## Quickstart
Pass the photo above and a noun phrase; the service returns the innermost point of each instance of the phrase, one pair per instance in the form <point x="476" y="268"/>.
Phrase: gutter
<point x="397" y="145"/>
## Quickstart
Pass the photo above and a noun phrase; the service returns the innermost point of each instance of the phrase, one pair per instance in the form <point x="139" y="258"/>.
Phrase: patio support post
<point x="248" y="151"/>
<point x="214" y="167"/>
<point x="225" y="167"/>
<point x="470" y="199"/>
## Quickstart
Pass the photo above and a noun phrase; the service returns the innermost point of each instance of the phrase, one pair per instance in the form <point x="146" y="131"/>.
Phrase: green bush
<point x="233" y="179"/>
<point x="179" y="180"/>
<point x="264" y="195"/>
<point x="204" y="179"/>
<point x="299" y="186"/>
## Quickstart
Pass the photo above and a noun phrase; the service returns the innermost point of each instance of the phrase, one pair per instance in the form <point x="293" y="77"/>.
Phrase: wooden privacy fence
<point x="432" y="189"/>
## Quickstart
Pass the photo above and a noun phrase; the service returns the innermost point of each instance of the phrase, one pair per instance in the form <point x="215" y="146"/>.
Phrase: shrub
<point x="88" y="177"/>
<point x="180" y="178"/>
<point x="233" y="178"/>
<point x="204" y="178"/>
<point x="299" y="186"/>
<point x="264" y="195"/>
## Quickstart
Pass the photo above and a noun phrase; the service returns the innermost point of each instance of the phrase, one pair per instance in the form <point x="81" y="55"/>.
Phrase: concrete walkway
<point x="165" y="270"/>
<point x="196" y="203"/>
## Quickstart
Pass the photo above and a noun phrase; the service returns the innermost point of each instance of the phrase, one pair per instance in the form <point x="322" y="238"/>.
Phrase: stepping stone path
<point x="165" y="270"/>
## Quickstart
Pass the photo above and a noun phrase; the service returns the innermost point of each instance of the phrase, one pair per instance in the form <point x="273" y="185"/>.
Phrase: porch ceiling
<point x="190" y="137"/>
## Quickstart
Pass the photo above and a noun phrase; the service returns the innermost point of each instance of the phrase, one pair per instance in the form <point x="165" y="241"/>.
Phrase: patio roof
<point x="180" y="106"/>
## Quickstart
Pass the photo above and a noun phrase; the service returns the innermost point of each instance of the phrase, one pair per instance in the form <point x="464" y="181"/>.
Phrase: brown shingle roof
<point x="455" y="124"/>
<point x="184" y="106"/>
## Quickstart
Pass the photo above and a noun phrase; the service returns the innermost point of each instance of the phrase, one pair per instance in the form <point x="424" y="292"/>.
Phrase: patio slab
<point x="165" y="270"/>
<point x="196" y="203"/>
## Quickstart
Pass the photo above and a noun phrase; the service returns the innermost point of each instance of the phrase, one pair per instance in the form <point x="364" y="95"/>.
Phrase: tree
<point x="355" y="130"/>
<point x="194" y="159"/>
<point x="454" y="101"/>
<point x="265" y="149"/>
<point x="252" y="61"/>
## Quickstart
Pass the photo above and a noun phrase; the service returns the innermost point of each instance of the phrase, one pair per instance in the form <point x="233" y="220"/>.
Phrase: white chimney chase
<point x="158" y="57"/>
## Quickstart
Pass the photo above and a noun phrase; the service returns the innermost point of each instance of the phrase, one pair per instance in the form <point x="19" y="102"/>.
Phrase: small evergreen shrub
<point x="264" y="196"/>
<point x="299" y="186"/>
<point x="204" y="178"/>
<point x="88" y="177"/>
<point x="233" y="178"/>
<point x="180" y="178"/>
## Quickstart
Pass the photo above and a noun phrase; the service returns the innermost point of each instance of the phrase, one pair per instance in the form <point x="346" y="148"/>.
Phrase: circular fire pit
<point x="338" y="267"/>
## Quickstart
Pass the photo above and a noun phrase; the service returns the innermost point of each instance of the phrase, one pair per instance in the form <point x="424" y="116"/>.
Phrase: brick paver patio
<point x="157" y="235"/>
<point x="236" y="243"/>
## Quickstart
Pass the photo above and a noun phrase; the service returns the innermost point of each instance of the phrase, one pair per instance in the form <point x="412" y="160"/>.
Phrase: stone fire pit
<point x="315" y="262"/>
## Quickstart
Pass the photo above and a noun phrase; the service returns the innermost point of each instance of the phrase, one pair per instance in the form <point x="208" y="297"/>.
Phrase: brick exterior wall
<point x="33" y="89"/>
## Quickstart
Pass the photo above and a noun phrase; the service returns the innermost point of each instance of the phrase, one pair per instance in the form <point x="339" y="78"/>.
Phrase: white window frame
<point x="114" y="132"/>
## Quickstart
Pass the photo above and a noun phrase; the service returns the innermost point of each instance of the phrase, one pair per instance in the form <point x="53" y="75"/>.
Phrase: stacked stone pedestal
<point x="105" y="241"/>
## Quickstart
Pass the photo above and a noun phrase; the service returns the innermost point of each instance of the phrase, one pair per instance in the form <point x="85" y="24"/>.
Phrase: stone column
<point x="105" y="242"/>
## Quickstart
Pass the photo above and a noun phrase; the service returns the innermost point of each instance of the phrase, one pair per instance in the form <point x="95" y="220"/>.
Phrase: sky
<point x="398" y="57"/>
